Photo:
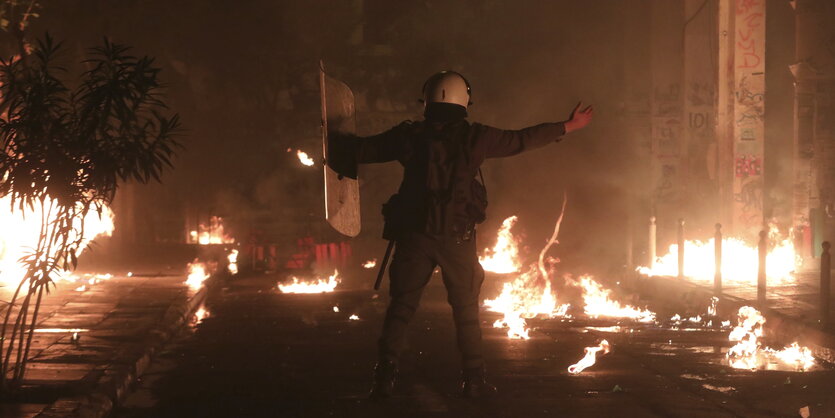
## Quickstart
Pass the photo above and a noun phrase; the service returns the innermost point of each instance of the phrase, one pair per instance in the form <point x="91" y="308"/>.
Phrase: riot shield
<point x="342" y="199"/>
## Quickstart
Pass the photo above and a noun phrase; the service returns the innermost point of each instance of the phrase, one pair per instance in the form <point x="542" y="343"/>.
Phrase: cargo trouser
<point x="415" y="258"/>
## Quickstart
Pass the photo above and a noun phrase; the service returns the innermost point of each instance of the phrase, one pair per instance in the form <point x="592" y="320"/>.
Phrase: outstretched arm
<point x="506" y="143"/>
<point x="346" y="151"/>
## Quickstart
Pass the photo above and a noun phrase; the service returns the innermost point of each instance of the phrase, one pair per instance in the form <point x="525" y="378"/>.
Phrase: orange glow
<point x="748" y="352"/>
<point x="198" y="272"/>
<point x="590" y="358"/>
<point x="523" y="298"/>
<point x="20" y="236"/>
<point x="503" y="258"/>
<point x="318" y="285"/>
<point x="212" y="233"/>
<point x="740" y="262"/>
<point x="598" y="303"/>
<point x="232" y="258"/>
<point x="370" y="264"/>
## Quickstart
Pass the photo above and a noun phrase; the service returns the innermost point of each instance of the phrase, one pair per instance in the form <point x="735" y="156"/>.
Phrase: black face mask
<point x="444" y="112"/>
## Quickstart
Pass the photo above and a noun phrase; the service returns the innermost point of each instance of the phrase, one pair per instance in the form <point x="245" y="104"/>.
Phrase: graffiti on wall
<point x="749" y="112"/>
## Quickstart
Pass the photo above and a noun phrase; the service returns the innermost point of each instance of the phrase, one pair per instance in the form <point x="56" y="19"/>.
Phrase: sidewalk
<point x="119" y="322"/>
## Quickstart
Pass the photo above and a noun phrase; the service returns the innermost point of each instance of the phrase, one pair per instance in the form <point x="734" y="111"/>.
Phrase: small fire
<point x="354" y="318"/>
<point x="212" y="233"/>
<point x="304" y="158"/>
<point x="748" y="352"/>
<point x="525" y="297"/>
<point x="232" y="258"/>
<point x="201" y="314"/>
<point x="739" y="265"/>
<point x="504" y="257"/>
<point x="370" y="264"/>
<point x="598" y="303"/>
<point x="336" y="309"/>
<point x="315" y="286"/>
<point x="197" y="274"/>
<point x="20" y="235"/>
<point x="590" y="358"/>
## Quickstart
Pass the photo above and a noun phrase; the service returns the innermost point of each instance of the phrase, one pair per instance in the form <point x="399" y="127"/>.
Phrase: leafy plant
<point x="64" y="153"/>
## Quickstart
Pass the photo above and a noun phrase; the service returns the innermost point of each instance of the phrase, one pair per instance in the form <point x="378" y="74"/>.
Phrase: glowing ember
<point x="354" y="318"/>
<point x="590" y="358"/>
<point x="525" y="297"/>
<point x="232" y="258"/>
<point x="504" y="257"/>
<point x="304" y="158"/>
<point x="739" y="266"/>
<point x="212" y="233"/>
<point x="336" y="309"/>
<point x="197" y="274"/>
<point x="748" y="352"/>
<point x="598" y="303"/>
<point x="20" y="235"/>
<point x="82" y="288"/>
<point x="314" y="286"/>
<point x="370" y="264"/>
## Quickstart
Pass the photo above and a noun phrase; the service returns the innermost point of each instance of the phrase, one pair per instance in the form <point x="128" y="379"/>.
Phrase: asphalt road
<point x="263" y="353"/>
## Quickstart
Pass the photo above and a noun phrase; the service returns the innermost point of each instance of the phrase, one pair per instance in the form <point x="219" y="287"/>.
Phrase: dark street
<point x="263" y="353"/>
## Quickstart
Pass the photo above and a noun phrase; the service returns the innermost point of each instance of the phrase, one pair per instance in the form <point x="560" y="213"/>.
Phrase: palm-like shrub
<point x="65" y="150"/>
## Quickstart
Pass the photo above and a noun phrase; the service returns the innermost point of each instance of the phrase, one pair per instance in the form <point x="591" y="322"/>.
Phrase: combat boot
<point x="475" y="385"/>
<point x="385" y="373"/>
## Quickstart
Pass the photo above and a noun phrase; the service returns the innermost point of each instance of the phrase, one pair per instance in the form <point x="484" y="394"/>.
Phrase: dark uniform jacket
<point x="439" y="194"/>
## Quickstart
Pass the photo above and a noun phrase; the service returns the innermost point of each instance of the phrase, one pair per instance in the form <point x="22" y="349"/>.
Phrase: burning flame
<point x="354" y="318"/>
<point x="598" y="303"/>
<point x="197" y="274"/>
<point x="748" y="352"/>
<point x="20" y="235"/>
<point x="740" y="262"/>
<point x="212" y="233"/>
<point x="232" y="258"/>
<point x="521" y="299"/>
<point x="314" y="286"/>
<point x="504" y="257"/>
<point x="590" y="358"/>
<point x="370" y="264"/>
<point x="304" y="158"/>
<point x="201" y="314"/>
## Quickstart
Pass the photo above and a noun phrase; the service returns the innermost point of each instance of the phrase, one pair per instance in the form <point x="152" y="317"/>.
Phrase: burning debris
<point x="740" y="267"/>
<point x="528" y="295"/>
<point x="354" y="318"/>
<point x="198" y="272"/>
<point x="370" y="264"/>
<point x="503" y="258"/>
<point x="318" y="285"/>
<point x="232" y="259"/>
<point x="598" y="303"/>
<point x="525" y="297"/>
<point x="590" y="358"/>
<point x="748" y="352"/>
<point x="21" y="233"/>
<point x="213" y="233"/>
<point x="304" y="158"/>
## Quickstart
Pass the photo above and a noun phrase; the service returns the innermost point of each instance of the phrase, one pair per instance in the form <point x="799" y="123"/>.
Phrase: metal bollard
<point x="825" y="286"/>
<point x="680" y="248"/>
<point x="717" y="257"/>
<point x="652" y="242"/>
<point x="761" y="276"/>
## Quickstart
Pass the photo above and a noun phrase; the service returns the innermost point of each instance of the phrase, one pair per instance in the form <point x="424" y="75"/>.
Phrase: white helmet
<point x="447" y="87"/>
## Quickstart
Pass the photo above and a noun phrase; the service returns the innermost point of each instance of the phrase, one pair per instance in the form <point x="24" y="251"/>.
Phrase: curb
<point x="116" y="381"/>
<point x="778" y="326"/>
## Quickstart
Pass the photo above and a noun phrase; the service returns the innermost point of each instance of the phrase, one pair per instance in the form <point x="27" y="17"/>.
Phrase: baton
<point x="383" y="266"/>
